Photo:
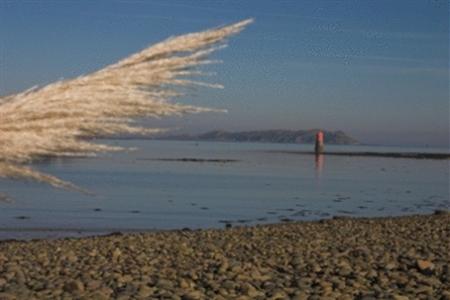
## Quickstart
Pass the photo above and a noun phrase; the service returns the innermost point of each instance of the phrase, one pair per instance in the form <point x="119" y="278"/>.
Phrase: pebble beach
<point x="340" y="258"/>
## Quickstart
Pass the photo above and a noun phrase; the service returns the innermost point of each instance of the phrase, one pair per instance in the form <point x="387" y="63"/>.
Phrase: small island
<point x="267" y="136"/>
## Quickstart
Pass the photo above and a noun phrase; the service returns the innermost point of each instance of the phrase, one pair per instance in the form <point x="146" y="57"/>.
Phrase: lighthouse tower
<point x="318" y="149"/>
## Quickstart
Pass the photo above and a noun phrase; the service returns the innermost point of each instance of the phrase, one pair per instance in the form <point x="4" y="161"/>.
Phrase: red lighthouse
<point x="319" y="143"/>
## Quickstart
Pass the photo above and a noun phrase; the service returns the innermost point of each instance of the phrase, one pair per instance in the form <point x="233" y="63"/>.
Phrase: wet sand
<point x="341" y="258"/>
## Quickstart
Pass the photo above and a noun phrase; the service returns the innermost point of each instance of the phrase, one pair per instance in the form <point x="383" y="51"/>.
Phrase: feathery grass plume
<point x="58" y="119"/>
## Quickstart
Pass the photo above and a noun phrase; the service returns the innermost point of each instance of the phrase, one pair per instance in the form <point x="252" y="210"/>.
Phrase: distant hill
<point x="268" y="136"/>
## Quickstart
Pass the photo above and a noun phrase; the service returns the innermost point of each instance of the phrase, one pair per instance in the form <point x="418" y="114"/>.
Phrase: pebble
<point x="343" y="258"/>
<point x="194" y="295"/>
<point x="74" y="286"/>
<point x="145" y="291"/>
<point x="400" y="297"/>
<point x="425" y="266"/>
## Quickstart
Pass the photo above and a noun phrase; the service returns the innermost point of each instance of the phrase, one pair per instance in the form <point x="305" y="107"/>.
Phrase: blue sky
<point x="379" y="70"/>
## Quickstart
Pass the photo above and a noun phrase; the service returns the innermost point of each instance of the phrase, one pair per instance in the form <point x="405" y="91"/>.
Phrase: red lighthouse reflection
<point x="318" y="149"/>
<point x="319" y="162"/>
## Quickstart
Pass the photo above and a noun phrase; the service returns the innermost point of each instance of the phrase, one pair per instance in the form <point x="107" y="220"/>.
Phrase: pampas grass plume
<point x="60" y="119"/>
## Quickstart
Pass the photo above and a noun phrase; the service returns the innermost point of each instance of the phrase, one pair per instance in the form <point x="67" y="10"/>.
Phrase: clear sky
<point x="378" y="70"/>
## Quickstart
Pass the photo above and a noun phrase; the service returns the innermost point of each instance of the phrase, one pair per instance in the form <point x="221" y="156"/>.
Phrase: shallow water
<point x="133" y="191"/>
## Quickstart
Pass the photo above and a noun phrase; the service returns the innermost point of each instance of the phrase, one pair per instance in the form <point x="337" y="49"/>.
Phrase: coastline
<point x="340" y="258"/>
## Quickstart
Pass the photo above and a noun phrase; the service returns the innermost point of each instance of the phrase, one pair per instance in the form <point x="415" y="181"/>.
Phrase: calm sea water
<point x="133" y="191"/>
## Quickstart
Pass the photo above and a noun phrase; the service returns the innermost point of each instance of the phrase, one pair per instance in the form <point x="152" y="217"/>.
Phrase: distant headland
<point x="267" y="136"/>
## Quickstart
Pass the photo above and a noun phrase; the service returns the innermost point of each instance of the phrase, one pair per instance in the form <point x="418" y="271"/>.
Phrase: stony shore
<point x="343" y="258"/>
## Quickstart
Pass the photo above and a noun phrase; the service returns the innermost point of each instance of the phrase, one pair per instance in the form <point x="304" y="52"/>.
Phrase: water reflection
<point x="261" y="186"/>
<point x="319" y="162"/>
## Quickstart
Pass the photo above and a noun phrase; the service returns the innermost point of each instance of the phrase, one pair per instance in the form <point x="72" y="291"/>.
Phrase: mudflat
<point x="341" y="258"/>
<point x="410" y="155"/>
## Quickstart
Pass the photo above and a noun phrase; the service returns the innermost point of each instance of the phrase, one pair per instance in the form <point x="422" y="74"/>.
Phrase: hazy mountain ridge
<point x="268" y="136"/>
